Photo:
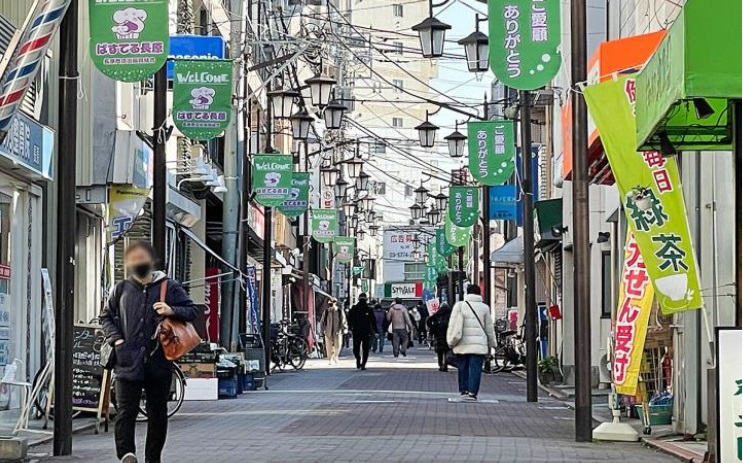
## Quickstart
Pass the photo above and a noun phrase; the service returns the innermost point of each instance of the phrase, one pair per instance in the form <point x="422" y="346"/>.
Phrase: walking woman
<point x="333" y="325"/>
<point x="437" y="325"/>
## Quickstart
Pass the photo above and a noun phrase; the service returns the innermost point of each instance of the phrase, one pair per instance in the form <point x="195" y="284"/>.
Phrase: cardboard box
<point x="199" y="370"/>
<point x="202" y="389"/>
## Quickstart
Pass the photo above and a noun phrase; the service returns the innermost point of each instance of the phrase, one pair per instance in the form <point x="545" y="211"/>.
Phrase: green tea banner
<point x="650" y="190"/>
<point x="524" y="42"/>
<point x="129" y="41"/>
<point x="202" y="97"/>
<point x="299" y="196"/>
<point x="492" y="151"/>
<point x="443" y="247"/>
<point x="456" y="236"/>
<point x="272" y="178"/>
<point x="324" y="225"/>
<point x="464" y="205"/>
<point x="343" y="247"/>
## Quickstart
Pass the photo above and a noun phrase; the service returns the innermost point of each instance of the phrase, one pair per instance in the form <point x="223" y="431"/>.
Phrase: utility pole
<point x="267" y="229"/>
<point x="159" y="171"/>
<point x="486" y="280"/>
<point x="581" y="249"/>
<point x="306" y="242"/>
<point x="66" y="231"/>
<point x="529" y="280"/>
<point x="228" y="321"/>
<point x="461" y="273"/>
<point x="242" y="324"/>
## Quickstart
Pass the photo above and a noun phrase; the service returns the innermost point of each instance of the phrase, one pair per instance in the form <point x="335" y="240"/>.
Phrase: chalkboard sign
<point x="88" y="376"/>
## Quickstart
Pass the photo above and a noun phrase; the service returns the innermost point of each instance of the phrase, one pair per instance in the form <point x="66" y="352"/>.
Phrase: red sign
<point x="4" y="272"/>
<point x="212" y="297"/>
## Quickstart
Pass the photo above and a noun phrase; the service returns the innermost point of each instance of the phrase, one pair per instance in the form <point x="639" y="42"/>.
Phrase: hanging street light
<point x="330" y="176"/>
<point x="301" y="123"/>
<point x="341" y="187"/>
<point x="283" y="102"/>
<point x="373" y="230"/>
<point x="432" y="33"/>
<point x="455" y="142"/>
<point x="361" y="234"/>
<point x="416" y="242"/>
<point x="370" y="216"/>
<point x="416" y="255"/>
<point x="362" y="182"/>
<point x="416" y="211"/>
<point x="427" y="133"/>
<point x="368" y="203"/>
<point x="433" y="215"/>
<point x="353" y="221"/>
<point x="333" y="114"/>
<point x="476" y="49"/>
<point x="353" y="167"/>
<point x="421" y="194"/>
<point x="321" y="89"/>
<point x="348" y="208"/>
<point x="441" y="201"/>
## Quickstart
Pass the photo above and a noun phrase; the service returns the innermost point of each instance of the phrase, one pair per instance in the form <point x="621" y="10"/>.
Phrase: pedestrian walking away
<point x="333" y="325"/>
<point x="363" y="326"/>
<point x="437" y="325"/>
<point x="422" y="327"/>
<point x="415" y="317"/>
<point x="470" y="335"/>
<point x="130" y="320"/>
<point x="381" y="317"/>
<point x="400" y="324"/>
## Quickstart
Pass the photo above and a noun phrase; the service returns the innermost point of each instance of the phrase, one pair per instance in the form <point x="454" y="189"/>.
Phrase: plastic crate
<point x="248" y="382"/>
<point x="659" y="414"/>
<point x="227" y="387"/>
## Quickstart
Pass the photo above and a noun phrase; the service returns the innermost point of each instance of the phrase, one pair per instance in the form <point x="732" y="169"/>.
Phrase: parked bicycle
<point x="175" y="399"/>
<point x="510" y="351"/>
<point x="287" y="348"/>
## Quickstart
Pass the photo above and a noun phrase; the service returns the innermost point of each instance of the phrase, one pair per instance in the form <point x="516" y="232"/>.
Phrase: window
<point x="414" y="271"/>
<point x="398" y="47"/>
<point x="397" y="85"/>
<point x="408" y="191"/>
<point x="377" y="147"/>
<point x="397" y="10"/>
<point x="606" y="284"/>
<point x="397" y="122"/>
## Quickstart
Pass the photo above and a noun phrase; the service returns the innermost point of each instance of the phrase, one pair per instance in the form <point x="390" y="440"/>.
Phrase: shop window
<point x="606" y="284"/>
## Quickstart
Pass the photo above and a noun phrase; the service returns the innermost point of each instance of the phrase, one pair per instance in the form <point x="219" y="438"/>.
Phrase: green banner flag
<point x="343" y="247"/>
<point x="443" y="246"/>
<point x="435" y="259"/>
<point x="202" y="97"/>
<point x="431" y="275"/>
<point x="324" y="225"/>
<point x="492" y="151"/>
<point x="299" y="196"/>
<point x="272" y="178"/>
<point x="456" y="236"/>
<point x="129" y="41"/>
<point x="464" y="206"/>
<point x="524" y="42"/>
<point x="650" y="190"/>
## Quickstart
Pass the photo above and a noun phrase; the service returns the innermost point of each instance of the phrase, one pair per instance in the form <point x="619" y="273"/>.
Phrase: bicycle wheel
<point x="40" y="401"/>
<point x="175" y="399"/>
<point x="297" y="353"/>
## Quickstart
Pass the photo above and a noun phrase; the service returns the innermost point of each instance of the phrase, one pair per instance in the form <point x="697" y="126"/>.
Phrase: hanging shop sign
<point x="443" y="247"/>
<point x="299" y="196"/>
<point x="398" y="245"/>
<point x="324" y="225"/>
<point x="503" y="202"/>
<point x="463" y="205"/>
<point x="327" y="198"/>
<point x="125" y="203"/>
<point x="202" y="97"/>
<point x="129" y="41"/>
<point x="455" y="235"/>
<point x="272" y="178"/>
<point x="492" y="151"/>
<point x="29" y="144"/>
<point x="194" y="47"/>
<point x="650" y="190"/>
<point x="633" y="313"/>
<point x="524" y="42"/>
<point x="729" y="350"/>
<point x="343" y="247"/>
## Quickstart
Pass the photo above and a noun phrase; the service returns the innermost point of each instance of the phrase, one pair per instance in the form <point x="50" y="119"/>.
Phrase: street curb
<point x="673" y="450"/>
<point x="75" y="430"/>
<point x="558" y="395"/>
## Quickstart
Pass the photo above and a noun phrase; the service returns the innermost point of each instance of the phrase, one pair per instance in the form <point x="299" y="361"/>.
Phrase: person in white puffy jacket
<point x="470" y="335"/>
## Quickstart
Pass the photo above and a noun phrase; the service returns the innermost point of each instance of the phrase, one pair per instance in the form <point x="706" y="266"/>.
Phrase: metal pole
<point x="66" y="232"/>
<point x="245" y="204"/>
<point x="735" y="115"/>
<point x="581" y="249"/>
<point x="306" y="245"/>
<point x="529" y="280"/>
<point x="487" y="283"/>
<point x="461" y="273"/>
<point x="159" y="173"/>
<point x="267" y="229"/>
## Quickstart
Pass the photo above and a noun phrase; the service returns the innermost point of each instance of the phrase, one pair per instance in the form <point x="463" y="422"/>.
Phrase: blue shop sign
<point x="29" y="144"/>
<point x="194" y="47"/>
<point x="503" y="202"/>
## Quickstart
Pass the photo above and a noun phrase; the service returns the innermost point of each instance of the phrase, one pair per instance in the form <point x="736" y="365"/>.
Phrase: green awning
<point x="694" y="72"/>
<point x="549" y="215"/>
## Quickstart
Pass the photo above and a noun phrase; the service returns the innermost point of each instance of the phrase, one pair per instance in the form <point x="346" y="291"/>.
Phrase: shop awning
<point x="510" y="254"/>
<point x="683" y="92"/>
<point x="549" y="215"/>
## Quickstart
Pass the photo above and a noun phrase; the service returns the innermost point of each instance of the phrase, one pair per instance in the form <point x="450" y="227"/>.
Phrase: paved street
<point x="397" y="411"/>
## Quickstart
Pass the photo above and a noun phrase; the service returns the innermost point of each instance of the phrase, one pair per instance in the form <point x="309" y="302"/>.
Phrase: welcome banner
<point x="650" y="190"/>
<point x="491" y="151"/>
<point x="464" y="205"/>
<point x="272" y="178"/>
<point x="324" y="225"/>
<point x="202" y="97"/>
<point x="343" y="247"/>
<point x="455" y="235"/>
<point x="443" y="247"/>
<point x="299" y="196"/>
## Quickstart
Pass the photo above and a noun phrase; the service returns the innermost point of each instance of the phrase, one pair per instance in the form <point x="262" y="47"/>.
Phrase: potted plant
<point x="549" y="370"/>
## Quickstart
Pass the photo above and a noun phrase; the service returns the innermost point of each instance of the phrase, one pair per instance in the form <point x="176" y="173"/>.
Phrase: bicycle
<point x="509" y="352"/>
<point x="287" y="348"/>
<point x="175" y="399"/>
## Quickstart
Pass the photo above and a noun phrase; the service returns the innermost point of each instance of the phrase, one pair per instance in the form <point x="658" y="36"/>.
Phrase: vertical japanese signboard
<point x="633" y="313"/>
<point x="650" y="190"/>
<point x="729" y="350"/>
<point x="463" y="205"/>
<point x="503" y="202"/>
<point x="324" y="225"/>
<point x="343" y="247"/>
<point x="443" y="247"/>
<point x="202" y="97"/>
<point x="524" y="42"/>
<point x="129" y="40"/>
<point x="492" y="151"/>
<point x="299" y="196"/>
<point x="455" y="235"/>
<point x="272" y="178"/>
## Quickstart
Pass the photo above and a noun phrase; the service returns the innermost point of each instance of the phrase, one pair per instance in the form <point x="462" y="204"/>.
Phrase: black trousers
<point x="441" y="355"/>
<point x="128" y="396"/>
<point x="361" y="348"/>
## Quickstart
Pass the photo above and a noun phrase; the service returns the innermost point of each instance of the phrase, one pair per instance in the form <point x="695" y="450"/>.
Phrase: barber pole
<point x="43" y="23"/>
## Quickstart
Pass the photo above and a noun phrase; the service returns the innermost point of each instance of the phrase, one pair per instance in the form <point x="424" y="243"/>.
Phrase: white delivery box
<point x="201" y="389"/>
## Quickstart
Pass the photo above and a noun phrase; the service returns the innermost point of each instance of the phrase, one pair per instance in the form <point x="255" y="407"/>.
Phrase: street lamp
<point x="433" y="215"/>
<point x="362" y="183"/>
<point x="416" y="255"/>
<point x="353" y="168"/>
<point x="301" y="122"/>
<point x="441" y="201"/>
<point x="476" y="49"/>
<point x="361" y="234"/>
<point x="330" y="176"/>
<point x="373" y="230"/>
<point x="416" y="242"/>
<point x="282" y="102"/>
<point x="321" y="88"/>
<point x="348" y="208"/>
<point x="421" y="195"/>
<point x="370" y="216"/>
<point x="431" y="33"/>
<point x="341" y="187"/>
<point x="353" y="221"/>
<point x="333" y="114"/>
<point x="427" y="133"/>
<point x="416" y="211"/>
<point x="455" y="142"/>
<point x="368" y="203"/>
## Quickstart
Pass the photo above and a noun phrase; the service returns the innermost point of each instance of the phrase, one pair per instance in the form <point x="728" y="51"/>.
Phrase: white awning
<point x="510" y="254"/>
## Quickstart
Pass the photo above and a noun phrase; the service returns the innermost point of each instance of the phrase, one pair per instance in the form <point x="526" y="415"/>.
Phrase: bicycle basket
<point x="501" y="325"/>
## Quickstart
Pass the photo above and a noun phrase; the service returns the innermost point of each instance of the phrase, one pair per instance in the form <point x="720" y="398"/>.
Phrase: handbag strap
<point x="163" y="290"/>
<point x="478" y="318"/>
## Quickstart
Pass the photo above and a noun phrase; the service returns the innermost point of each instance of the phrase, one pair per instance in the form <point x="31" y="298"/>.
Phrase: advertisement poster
<point x="202" y="97"/>
<point x="464" y="205"/>
<point x="324" y="225"/>
<point x="503" y="202"/>
<point x="343" y="247"/>
<point x="491" y="151"/>
<point x="125" y="203"/>
<point x="299" y="196"/>
<point x="272" y="178"/>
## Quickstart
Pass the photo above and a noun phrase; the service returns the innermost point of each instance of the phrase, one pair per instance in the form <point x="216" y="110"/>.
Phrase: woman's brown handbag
<point x="177" y="338"/>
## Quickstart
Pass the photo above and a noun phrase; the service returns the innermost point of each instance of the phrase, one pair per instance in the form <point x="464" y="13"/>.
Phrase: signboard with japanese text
<point x="436" y="260"/>
<point x="398" y="245"/>
<point x="195" y="47"/>
<point x="635" y="304"/>
<point x="650" y="191"/>
<point x="29" y="144"/>
<point x="443" y="246"/>
<point x="299" y="196"/>
<point x="129" y="41"/>
<point x="324" y="225"/>
<point x="524" y="42"/>
<point x="534" y="181"/>
<point x="343" y="247"/>
<point x="464" y="205"/>
<point x="202" y="97"/>
<point x="125" y="203"/>
<point x="729" y="356"/>
<point x="272" y="178"/>
<point x="503" y="202"/>
<point x="455" y="235"/>
<point x="492" y="151"/>
<point x="327" y="198"/>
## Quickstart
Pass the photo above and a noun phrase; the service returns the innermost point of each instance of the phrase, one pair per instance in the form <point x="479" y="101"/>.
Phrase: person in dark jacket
<point x="363" y="326"/>
<point x="130" y="320"/>
<point x="437" y="325"/>
<point x="422" y="332"/>
<point x="381" y="318"/>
